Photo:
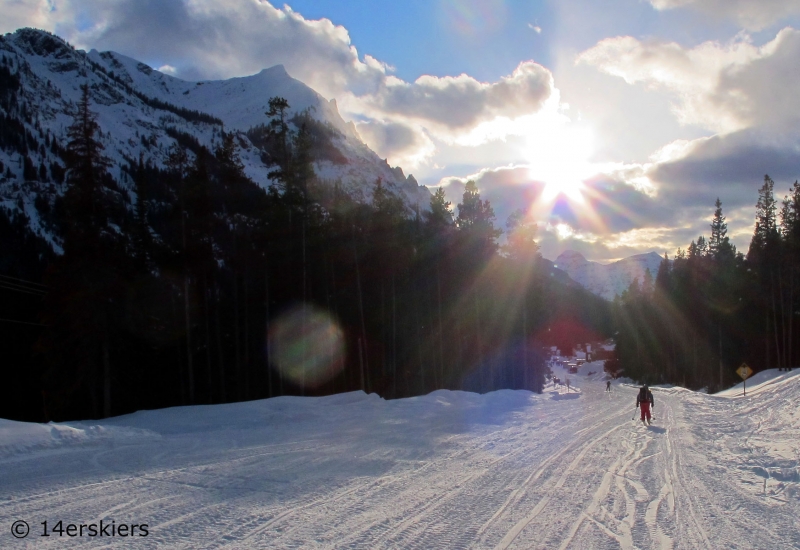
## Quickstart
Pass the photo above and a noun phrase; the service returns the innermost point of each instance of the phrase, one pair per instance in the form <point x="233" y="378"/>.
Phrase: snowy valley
<point x="508" y="469"/>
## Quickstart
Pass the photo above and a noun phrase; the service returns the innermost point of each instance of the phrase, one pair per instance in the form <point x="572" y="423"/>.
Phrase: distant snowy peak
<point x="609" y="280"/>
<point x="240" y="102"/>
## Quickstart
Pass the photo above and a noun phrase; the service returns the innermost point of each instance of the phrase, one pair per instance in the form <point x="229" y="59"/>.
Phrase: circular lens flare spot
<point x="307" y="346"/>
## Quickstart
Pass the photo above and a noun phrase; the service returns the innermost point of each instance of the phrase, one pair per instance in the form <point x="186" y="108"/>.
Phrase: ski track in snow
<point x="449" y="470"/>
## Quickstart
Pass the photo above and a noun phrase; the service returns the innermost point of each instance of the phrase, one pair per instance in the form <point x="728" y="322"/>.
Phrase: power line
<point x="26" y="291"/>
<point x="22" y="280"/>
<point x="23" y="322"/>
<point x="24" y="287"/>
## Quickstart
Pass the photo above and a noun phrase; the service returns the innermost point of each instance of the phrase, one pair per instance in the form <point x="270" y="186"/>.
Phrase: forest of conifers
<point x="205" y="287"/>
<point x="185" y="293"/>
<point x="711" y="308"/>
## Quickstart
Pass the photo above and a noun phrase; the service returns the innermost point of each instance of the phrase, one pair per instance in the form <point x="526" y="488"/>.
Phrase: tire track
<point x="517" y="495"/>
<point x="509" y="538"/>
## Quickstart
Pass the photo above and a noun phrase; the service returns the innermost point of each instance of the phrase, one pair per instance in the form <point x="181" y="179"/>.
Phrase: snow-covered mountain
<point x="608" y="280"/>
<point x="140" y="110"/>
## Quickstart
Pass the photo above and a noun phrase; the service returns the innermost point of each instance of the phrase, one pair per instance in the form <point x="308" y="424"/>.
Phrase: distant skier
<point x="645" y="400"/>
<point x="608" y="385"/>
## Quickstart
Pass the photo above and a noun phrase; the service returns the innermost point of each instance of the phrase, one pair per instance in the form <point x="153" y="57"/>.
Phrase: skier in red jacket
<point x="645" y="401"/>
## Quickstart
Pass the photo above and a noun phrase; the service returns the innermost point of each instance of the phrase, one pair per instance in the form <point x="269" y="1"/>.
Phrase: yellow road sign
<point x="744" y="371"/>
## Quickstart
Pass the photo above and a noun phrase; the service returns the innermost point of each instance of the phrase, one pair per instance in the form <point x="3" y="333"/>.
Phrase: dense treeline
<point x="712" y="308"/>
<point x="202" y="287"/>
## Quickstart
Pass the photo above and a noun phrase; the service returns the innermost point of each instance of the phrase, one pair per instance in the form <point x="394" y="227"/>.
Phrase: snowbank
<point x="759" y="382"/>
<point x="17" y="437"/>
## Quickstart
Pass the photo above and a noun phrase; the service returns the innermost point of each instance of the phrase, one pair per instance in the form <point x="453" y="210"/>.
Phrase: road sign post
<point x="744" y="371"/>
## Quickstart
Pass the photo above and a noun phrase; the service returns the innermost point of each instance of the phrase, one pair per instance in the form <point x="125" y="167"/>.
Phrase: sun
<point x="560" y="159"/>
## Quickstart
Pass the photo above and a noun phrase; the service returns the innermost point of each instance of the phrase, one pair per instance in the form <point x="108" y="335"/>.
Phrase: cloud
<point x="456" y="103"/>
<point x="750" y="14"/>
<point x="731" y="167"/>
<point x="745" y="93"/>
<point x="722" y="87"/>
<point x="535" y="28"/>
<point x="26" y="13"/>
<point x="407" y="145"/>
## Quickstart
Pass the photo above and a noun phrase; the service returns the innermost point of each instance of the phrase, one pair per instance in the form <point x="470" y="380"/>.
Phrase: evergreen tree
<point x="719" y="245"/>
<point x="521" y="234"/>
<point x="86" y="166"/>
<point x="663" y="276"/>
<point x="87" y="280"/>
<point x="279" y="130"/>
<point x="441" y="213"/>
<point x="142" y="237"/>
<point x="766" y="235"/>
<point x="476" y="219"/>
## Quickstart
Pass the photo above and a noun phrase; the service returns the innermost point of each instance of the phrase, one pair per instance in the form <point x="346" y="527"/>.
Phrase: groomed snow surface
<point x="509" y="469"/>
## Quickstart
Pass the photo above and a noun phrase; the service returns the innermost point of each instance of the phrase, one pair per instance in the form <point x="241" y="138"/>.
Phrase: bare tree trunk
<point x="106" y="379"/>
<point x="361" y="310"/>
<point x="418" y="322"/>
<point x="394" y="337"/>
<point x="525" y="375"/>
<point x="790" y="358"/>
<point x="207" y="312"/>
<point x="785" y="346"/>
<point x="176" y="321"/>
<point x="720" y="358"/>
<point x="246" y="334"/>
<point x="220" y="351"/>
<point x="305" y="302"/>
<point x="775" y="326"/>
<point x="361" y="364"/>
<point x="266" y="325"/>
<point x="441" y="330"/>
<point x="478" y="341"/>
<point x="384" y="329"/>
<point x="236" y="335"/>
<point x="766" y="337"/>
<point x="189" y="364"/>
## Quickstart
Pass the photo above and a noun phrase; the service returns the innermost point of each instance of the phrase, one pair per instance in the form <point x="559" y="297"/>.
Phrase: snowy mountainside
<point x="609" y="280"/>
<point x="137" y="106"/>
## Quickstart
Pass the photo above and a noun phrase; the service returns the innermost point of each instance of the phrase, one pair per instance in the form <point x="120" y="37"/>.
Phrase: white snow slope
<point x="607" y="280"/>
<point x="509" y="469"/>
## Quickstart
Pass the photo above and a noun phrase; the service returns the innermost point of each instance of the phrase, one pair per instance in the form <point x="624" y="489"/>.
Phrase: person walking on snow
<point x="608" y="385"/>
<point x="645" y="401"/>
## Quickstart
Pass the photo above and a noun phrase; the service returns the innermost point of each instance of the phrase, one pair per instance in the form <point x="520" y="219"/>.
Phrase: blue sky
<point x="616" y="123"/>
<point x="485" y="39"/>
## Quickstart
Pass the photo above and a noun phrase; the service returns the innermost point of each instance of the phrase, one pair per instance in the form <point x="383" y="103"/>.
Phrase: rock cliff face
<point x="608" y="280"/>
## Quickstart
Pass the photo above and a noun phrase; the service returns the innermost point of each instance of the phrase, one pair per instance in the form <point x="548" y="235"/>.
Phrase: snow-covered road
<point x="449" y="470"/>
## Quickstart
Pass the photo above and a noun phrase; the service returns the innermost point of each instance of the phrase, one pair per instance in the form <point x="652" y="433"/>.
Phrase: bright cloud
<point x="723" y="87"/>
<point x="405" y="144"/>
<point x="750" y="14"/>
<point x="454" y="104"/>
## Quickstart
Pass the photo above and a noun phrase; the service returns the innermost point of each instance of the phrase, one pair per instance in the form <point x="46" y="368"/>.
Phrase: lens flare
<point x="472" y="17"/>
<point x="307" y="346"/>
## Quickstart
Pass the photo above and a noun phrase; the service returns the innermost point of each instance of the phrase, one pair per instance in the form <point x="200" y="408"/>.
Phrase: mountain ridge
<point x="608" y="280"/>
